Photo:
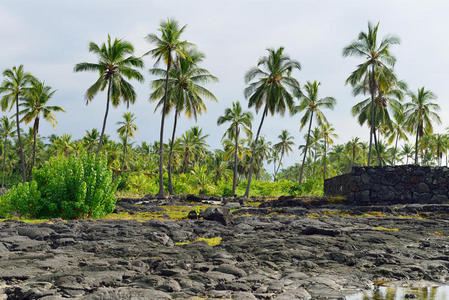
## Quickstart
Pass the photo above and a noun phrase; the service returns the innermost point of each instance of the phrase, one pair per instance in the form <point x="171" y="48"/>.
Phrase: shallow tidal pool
<point x="400" y="293"/>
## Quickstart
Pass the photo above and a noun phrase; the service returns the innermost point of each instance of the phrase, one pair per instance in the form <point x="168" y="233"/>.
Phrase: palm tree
<point x="353" y="147"/>
<point x="16" y="82"/>
<point x="63" y="145"/>
<point x="312" y="105"/>
<point x="91" y="139"/>
<point x="185" y="93"/>
<point x="271" y="86"/>
<point x="328" y="133"/>
<point x="420" y="113"/>
<point x="262" y="151"/>
<point x="397" y="129"/>
<point x="194" y="143"/>
<point x="336" y="153"/>
<point x="284" y="147"/>
<point x="6" y="130"/>
<point x="116" y="63"/>
<point x="35" y="105"/>
<point x="377" y="60"/>
<point x="237" y="119"/>
<point x="168" y="45"/>
<point x="126" y="130"/>
<point x="439" y="143"/>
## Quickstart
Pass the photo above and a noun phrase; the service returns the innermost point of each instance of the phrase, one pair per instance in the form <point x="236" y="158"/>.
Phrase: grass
<point x="172" y="212"/>
<point x="29" y="221"/>
<point x="386" y="229"/>
<point x="214" y="241"/>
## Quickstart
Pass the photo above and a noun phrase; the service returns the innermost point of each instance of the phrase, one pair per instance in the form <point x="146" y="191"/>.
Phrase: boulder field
<point x="282" y="249"/>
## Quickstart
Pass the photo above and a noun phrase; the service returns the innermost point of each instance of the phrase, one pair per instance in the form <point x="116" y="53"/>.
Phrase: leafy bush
<point x="68" y="188"/>
<point x="141" y="184"/>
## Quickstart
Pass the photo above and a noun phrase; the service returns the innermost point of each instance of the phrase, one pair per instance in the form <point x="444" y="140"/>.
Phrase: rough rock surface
<point x="265" y="253"/>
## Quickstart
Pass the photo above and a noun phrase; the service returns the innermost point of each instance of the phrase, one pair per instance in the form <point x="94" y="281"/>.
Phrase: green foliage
<point x="68" y="188"/>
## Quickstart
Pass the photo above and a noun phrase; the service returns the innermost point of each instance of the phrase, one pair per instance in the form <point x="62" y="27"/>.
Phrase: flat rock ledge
<point x="265" y="253"/>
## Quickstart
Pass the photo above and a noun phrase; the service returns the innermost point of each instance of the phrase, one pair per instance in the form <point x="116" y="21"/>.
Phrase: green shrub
<point x="68" y="188"/>
<point x="141" y="184"/>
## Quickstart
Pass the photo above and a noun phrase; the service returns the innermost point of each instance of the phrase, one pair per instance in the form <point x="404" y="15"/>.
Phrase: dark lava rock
<point x="218" y="214"/>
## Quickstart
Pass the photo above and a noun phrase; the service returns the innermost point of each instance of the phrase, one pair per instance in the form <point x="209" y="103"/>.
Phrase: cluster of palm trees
<point x="179" y="89"/>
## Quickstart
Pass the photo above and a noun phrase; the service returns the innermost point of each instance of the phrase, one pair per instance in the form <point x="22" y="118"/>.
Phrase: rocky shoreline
<point x="283" y="249"/>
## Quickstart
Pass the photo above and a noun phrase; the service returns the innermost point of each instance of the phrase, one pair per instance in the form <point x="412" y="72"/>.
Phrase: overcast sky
<point x="50" y="36"/>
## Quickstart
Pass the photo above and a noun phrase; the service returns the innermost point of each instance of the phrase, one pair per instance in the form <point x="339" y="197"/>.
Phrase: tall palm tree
<point x="15" y="83"/>
<point x="353" y="147"/>
<point x="35" y="105"/>
<point x="271" y="87"/>
<point x="406" y="151"/>
<point x="397" y="130"/>
<point x="377" y="60"/>
<point x="310" y="103"/>
<point x="6" y="130"/>
<point x="185" y="93"/>
<point x="328" y="133"/>
<point x="420" y="112"/>
<point x="91" y="139"/>
<point x="284" y="147"/>
<point x="238" y="120"/>
<point x="168" y="48"/>
<point x="126" y="130"/>
<point x="116" y="63"/>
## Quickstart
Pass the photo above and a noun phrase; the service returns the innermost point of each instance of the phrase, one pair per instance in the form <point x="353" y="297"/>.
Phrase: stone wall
<point x="388" y="185"/>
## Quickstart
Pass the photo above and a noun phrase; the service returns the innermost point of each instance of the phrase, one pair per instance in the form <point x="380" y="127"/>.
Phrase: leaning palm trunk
<point x="22" y="158"/>
<point x="35" y="131"/>
<point x="234" y="179"/>
<point x="4" y="161"/>
<point x="161" y="193"/>
<point x="251" y="165"/>
<point x="376" y="145"/>
<point x="324" y="161"/>
<point x="100" y="142"/>
<point x="170" y="155"/>
<point x="305" y="150"/>
<point x="416" y="145"/>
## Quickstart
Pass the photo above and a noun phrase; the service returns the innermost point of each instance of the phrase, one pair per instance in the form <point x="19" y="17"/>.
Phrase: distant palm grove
<point x="400" y="120"/>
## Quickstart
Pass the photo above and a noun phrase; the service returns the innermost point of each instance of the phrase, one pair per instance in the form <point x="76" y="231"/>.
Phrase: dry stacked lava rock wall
<point x="391" y="185"/>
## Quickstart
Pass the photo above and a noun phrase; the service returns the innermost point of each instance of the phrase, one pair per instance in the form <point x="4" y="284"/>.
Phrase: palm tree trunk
<point x="280" y="162"/>
<point x="170" y="154"/>
<point x="376" y="145"/>
<point x="35" y="131"/>
<point x="234" y="179"/>
<point x="4" y="161"/>
<point x="100" y="142"/>
<point x="305" y="150"/>
<point x="161" y="193"/>
<point x="251" y="165"/>
<point x="353" y="157"/>
<point x="22" y="158"/>
<point x="324" y="160"/>
<point x="416" y="145"/>
<point x="395" y="148"/>
<point x="124" y="152"/>
<point x="372" y="115"/>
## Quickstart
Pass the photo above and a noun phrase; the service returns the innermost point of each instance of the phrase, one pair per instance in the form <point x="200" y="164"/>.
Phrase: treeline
<point x="185" y="163"/>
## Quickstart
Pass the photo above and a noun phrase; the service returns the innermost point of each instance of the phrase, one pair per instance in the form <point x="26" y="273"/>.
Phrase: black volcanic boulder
<point x="218" y="214"/>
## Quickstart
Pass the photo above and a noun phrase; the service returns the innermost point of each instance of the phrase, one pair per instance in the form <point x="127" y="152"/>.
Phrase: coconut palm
<point x="262" y="152"/>
<point x="377" y="60"/>
<point x="6" y="130"/>
<point x="397" y="130"/>
<point x="328" y="134"/>
<point x="238" y="120"/>
<point x="272" y="88"/>
<point x="63" y="145"/>
<point x="15" y="83"/>
<point x="91" y="139"/>
<point x="439" y="145"/>
<point x="168" y="48"/>
<point x="116" y="63"/>
<point x="353" y="147"/>
<point x="283" y="147"/>
<point x="185" y="93"/>
<point x="420" y="113"/>
<point x="34" y="105"/>
<point x="193" y="141"/>
<point x="312" y="105"/>
<point x="126" y="130"/>
<point x="407" y="151"/>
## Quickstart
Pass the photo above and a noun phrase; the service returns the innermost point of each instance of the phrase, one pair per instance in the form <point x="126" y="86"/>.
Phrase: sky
<point x="50" y="36"/>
